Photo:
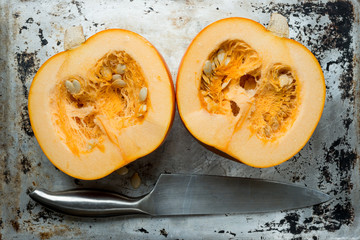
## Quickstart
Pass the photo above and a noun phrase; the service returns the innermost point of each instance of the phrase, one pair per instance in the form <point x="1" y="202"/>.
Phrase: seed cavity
<point x="143" y="94"/>
<point x="247" y="82"/>
<point x="135" y="181"/>
<point x="112" y="93"/>
<point x="234" y="77"/>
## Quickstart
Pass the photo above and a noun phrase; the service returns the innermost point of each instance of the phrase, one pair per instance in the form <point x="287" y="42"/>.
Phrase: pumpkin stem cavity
<point x="234" y="82"/>
<point x="114" y="91"/>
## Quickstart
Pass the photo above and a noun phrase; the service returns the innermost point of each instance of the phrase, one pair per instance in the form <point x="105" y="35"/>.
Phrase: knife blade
<point x="180" y="194"/>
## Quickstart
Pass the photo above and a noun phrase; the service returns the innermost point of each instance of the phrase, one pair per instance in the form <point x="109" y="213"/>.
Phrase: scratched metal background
<point x="32" y="31"/>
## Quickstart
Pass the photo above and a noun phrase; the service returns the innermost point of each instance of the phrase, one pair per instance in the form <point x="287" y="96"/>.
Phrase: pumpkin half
<point x="102" y="105"/>
<point x="250" y="93"/>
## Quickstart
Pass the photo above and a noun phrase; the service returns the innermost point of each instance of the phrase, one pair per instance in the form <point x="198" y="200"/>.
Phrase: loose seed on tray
<point x="135" y="181"/>
<point x="122" y="171"/>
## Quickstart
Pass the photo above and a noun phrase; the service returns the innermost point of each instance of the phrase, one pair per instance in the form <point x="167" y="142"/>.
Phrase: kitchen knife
<point x="179" y="194"/>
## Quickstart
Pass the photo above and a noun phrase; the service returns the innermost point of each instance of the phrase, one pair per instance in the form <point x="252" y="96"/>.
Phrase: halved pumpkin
<point x="250" y="93"/>
<point x="102" y="105"/>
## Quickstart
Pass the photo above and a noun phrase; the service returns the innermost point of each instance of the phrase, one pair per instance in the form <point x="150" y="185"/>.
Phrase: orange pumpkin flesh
<point x="102" y="105"/>
<point x="249" y="93"/>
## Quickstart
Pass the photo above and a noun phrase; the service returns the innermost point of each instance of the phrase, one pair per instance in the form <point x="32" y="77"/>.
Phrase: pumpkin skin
<point x="248" y="93"/>
<point x="104" y="126"/>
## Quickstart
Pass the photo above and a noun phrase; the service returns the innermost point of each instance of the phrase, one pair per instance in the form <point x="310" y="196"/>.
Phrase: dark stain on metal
<point x="340" y="214"/>
<point x="143" y="230"/>
<point x="25" y="121"/>
<point x="25" y="164"/>
<point x="45" y="235"/>
<point x="27" y="65"/>
<point x="30" y="20"/>
<point x="22" y="28"/>
<point x="79" y="7"/>
<point x="15" y="225"/>
<point x="43" y="41"/>
<point x="30" y="206"/>
<point x="342" y="155"/>
<point x="326" y="174"/>
<point x="16" y="15"/>
<point x="163" y="232"/>
<point x="46" y="215"/>
<point x="6" y="176"/>
<point x="292" y="219"/>
<point x="231" y="233"/>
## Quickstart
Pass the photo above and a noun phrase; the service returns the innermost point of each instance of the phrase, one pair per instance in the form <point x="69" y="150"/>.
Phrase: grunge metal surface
<point x="32" y="31"/>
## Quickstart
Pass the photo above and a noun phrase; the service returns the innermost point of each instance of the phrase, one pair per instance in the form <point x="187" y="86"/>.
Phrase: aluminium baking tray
<point x="32" y="31"/>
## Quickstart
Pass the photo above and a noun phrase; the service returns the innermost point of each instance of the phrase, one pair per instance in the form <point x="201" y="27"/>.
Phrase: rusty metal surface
<point x="32" y="31"/>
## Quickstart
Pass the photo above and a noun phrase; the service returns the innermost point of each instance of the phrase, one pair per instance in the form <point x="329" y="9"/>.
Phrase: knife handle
<point x="88" y="203"/>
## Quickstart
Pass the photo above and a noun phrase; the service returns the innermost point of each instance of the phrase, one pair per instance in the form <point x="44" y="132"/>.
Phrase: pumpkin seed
<point x="284" y="80"/>
<point x="267" y="131"/>
<point x="227" y="60"/>
<point x="206" y="79"/>
<point x="207" y="68"/>
<point x="69" y="86"/>
<point x="225" y="84"/>
<point x="77" y="86"/>
<point x="73" y="87"/>
<point x="119" y="83"/>
<point x="116" y="76"/>
<point x="143" y="108"/>
<point x="143" y="94"/>
<point x="120" y="68"/>
<point x="221" y="56"/>
<point x="135" y="181"/>
<point x="122" y="171"/>
<point x="275" y="125"/>
<point x="214" y="65"/>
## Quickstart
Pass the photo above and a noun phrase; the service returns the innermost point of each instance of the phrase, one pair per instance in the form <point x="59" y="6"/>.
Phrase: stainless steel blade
<point x="178" y="194"/>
